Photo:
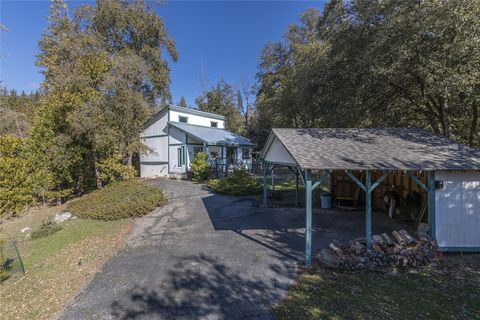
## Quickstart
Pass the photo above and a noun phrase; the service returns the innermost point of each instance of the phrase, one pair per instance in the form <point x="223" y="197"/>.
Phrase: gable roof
<point x="212" y="136"/>
<point x="373" y="149"/>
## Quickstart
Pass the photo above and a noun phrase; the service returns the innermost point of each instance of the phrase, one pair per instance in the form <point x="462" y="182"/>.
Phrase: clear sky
<point x="227" y="36"/>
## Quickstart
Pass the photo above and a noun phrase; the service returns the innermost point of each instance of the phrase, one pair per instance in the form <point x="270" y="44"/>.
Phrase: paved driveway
<point x="207" y="256"/>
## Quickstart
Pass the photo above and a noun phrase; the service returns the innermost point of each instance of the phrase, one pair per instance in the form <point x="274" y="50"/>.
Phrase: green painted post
<point x="265" y="190"/>
<point x="308" y="218"/>
<point x="368" y="208"/>
<point x="431" y="202"/>
<point x="296" y="191"/>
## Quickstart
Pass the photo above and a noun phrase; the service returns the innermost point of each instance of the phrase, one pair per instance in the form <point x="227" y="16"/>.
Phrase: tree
<point x="104" y="70"/>
<point x="182" y="103"/>
<point x="221" y="99"/>
<point x="380" y="63"/>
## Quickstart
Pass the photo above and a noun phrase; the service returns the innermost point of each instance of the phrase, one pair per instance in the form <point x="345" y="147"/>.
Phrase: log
<point x="409" y="239"/>
<point x="336" y="249"/>
<point x="398" y="238"/>
<point x="388" y="240"/>
<point x="378" y="240"/>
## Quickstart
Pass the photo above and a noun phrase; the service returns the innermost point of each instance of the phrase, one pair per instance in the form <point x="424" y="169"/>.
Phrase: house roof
<point x="211" y="136"/>
<point x="373" y="149"/>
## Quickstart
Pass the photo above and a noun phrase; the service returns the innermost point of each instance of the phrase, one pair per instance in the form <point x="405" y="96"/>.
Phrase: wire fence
<point x="11" y="262"/>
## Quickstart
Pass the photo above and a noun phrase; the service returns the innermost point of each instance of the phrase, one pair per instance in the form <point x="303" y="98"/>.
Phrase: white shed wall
<point x="457" y="206"/>
<point x="195" y="119"/>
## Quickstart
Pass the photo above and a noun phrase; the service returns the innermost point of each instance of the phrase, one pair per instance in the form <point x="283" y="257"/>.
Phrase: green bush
<point x="200" y="167"/>
<point x="241" y="182"/>
<point x="46" y="229"/>
<point x="121" y="199"/>
<point x="112" y="169"/>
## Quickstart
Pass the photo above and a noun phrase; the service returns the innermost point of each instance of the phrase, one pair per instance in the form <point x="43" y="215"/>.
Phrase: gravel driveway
<point x="209" y="256"/>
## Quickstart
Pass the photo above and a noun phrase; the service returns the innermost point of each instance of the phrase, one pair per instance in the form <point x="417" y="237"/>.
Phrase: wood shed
<point x="371" y="167"/>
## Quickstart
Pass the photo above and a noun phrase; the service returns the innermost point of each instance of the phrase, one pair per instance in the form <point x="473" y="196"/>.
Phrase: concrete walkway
<point x="208" y="256"/>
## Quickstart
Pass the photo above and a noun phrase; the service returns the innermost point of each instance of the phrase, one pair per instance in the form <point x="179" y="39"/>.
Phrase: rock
<point x="328" y="258"/>
<point x="62" y="217"/>
<point x="25" y="229"/>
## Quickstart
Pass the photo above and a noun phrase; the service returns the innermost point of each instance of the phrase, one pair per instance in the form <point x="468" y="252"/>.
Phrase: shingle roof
<point x="212" y="136"/>
<point x="380" y="149"/>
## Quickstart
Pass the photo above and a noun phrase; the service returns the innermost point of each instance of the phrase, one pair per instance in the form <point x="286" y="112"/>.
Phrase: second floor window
<point x="183" y="119"/>
<point x="214" y="124"/>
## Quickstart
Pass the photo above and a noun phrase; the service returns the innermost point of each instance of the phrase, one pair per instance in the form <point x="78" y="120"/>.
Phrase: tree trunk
<point x="129" y="159"/>
<point x="97" y="170"/>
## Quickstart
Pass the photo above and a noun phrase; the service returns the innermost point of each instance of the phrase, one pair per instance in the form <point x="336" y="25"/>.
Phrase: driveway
<point x="208" y="256"/>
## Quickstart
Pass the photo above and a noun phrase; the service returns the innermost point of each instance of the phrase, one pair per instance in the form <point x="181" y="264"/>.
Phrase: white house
<point x="175" y="135"/>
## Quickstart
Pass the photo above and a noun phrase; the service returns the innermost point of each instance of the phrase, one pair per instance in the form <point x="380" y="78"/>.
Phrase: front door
<point x="231" y="155"/>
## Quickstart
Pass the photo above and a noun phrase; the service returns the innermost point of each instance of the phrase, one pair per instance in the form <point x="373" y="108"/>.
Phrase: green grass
<point x="132" y="198"/>
<point x="58" y="265"/>
<point x="451" y="291"/>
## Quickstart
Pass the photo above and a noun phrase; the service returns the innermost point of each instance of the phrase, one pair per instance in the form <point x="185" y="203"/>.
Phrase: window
<point x="214" y="124"/>
<point x="197" y="150"/>
<point x="181" y="159"/>
<point x="182" y="119"/>
<point x="245" y="153"/>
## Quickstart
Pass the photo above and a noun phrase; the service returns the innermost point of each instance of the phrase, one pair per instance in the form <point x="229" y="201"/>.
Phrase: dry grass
<point x="57" y="266"/>
<point x="449" y="291"/>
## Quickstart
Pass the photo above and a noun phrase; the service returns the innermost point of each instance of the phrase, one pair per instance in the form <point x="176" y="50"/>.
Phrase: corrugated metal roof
<point x="375" y="149"/>
<point x="212" y="136"/>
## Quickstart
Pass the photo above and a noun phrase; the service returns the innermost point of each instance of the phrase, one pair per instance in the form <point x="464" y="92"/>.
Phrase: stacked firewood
<point x="399" y="249"/>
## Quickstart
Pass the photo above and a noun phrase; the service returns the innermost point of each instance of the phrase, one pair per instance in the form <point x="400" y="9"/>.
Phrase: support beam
<point x="360" y="184"/>
<point x="431" y="203"/>
<point x="420" y="183"/>
<point x="320" y="180"/>
<point x="265" y="183"/>
<point x="368" y="208"/>
<point x="296" y="190"/>
<point x="308" y="217"/>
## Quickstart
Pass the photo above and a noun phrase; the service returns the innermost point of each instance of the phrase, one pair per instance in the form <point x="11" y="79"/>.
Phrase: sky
<point x="226" y="37"/>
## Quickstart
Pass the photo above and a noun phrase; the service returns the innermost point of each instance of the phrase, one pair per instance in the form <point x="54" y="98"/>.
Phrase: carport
<point x="378" y="153"/>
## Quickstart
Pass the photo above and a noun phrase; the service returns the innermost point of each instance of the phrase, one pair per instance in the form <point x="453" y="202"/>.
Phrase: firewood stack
<point x="397" y="250"/>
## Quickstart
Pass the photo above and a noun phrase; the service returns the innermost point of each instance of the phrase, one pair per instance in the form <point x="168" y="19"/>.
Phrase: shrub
<point x="112" y="169"/>
<point x="121" y="199"/>
<point x="46" y="229"/>
<point x="16" y="185"/>
<point x="200" y="167"/>
<point x="241" y="182"/>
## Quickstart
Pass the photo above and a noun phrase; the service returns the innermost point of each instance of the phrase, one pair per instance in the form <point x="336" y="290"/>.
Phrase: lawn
<point x="58" y="265"/>
<point x="449" y="291"/>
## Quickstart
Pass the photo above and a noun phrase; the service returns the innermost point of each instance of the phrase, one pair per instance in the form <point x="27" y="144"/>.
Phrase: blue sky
<point x="226" y="35"/>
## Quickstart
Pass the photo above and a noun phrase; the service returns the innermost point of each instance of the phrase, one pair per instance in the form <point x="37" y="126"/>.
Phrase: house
<point x="175" y="135"/>
<point x="446" y="174"/>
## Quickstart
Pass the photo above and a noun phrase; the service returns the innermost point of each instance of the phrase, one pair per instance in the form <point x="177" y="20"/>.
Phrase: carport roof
<point x="373" y="149"/>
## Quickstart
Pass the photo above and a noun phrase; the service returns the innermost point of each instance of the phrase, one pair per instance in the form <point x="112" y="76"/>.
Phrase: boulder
<point x="62" y="217"/>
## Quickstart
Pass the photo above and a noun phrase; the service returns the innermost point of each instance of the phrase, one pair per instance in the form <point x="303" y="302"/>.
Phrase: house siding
<point x="195" y="119"/>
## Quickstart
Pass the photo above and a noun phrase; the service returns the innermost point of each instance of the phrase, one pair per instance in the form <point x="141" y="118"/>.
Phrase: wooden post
<point x="368" y="208"/>
<point x="265" y="182"/>
<point x="431" y="202"/>
<point x="308" y="218"/>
